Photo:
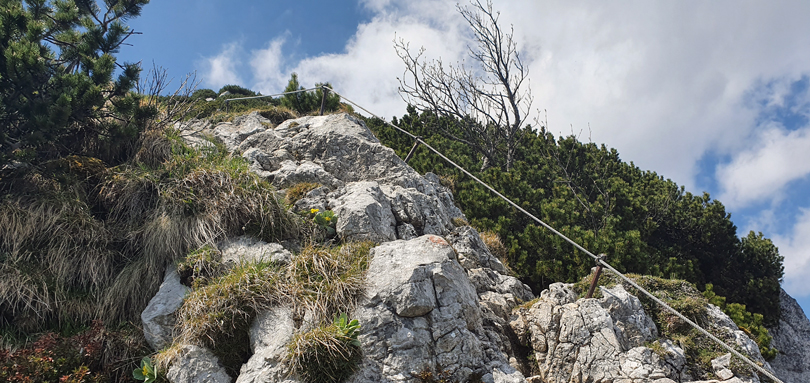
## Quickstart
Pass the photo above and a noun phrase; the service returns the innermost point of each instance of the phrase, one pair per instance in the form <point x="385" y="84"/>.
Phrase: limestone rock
<point x="363" y="213"/>
<point x="421" y="313"/>
<point x="269" y="335"/>
<point x="472" y="252"/>
<point x="246" y="249"/>
<point x="792" y="338"/>
<point x="195" y="364"/>
<point x="579" y="340"/>
<point x="334" y="150"/>
<point x="159" y="316"/>
<point x="632" y="325"/>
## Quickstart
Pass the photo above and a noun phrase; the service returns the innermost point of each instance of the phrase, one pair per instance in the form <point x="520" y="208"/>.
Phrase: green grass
<point x="321" y="280"/>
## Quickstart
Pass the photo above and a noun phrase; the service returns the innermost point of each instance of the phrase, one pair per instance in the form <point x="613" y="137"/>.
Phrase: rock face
<point x="375" y="194"/>
<point x="422" y="314"/>
<point x="603" y="340"/>
<point x="792" y="338"/>
<point x="436" y="299"/>
<point x="159" y="316"/>
<point x="197" y="365"/>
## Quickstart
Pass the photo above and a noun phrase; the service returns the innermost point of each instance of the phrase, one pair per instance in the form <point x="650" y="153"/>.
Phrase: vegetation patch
<point x="321" y="281"/>
<point x="328" y="353"/>
<point x="92" y="355"/>
<point x="645" y="223"/>
<point x="299" y="190"/>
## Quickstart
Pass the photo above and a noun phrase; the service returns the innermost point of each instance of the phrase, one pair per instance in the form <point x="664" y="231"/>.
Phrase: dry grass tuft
<point x="323" y="354"/>
<point x="327" y="281"/>
<point x="298" y="191"/>
<point x="54" y="256"/>
<point x="279" y="114"/>
<point x="323" y="281"/>
<point x="195" y="198"/>
<point x="80" y="242"/>
<point x="155" y="148"/>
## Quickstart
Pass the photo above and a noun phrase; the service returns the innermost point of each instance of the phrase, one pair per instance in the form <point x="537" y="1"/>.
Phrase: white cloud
<point x="795" y="247"/>
<point x="220" y="70"/>
<point x="761" y="173"/>
<point x="267" y="66"/>
<point x="661" y="82"/>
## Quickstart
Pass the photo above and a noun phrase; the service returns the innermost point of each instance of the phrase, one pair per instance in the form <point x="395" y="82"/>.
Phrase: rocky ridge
<point x="436" y="299"/>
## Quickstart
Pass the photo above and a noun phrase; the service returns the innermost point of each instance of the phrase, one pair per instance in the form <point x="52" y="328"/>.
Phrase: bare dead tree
<point x="489" y="100"/>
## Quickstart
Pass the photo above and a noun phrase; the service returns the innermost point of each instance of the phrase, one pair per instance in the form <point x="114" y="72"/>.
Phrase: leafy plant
<point x="326" y="220"/>
<point x="348" y="329"/>
<point x="146" y="372"/>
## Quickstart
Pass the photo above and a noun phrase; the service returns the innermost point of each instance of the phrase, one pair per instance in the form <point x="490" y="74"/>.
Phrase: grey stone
<point x="194" y="364"/>
<point x="363" y="213"/>
<point x="632" y="325"/>
<point x="792" y="338"/>
<point x="269" y="333"/>
<point x="247" y="249"/>
<point x="419" y="312"/>
<point x="160" y="315"/>
<point x="290" y="173"/>
<point x="472" y="252"/>
<point x="589" y="340"/>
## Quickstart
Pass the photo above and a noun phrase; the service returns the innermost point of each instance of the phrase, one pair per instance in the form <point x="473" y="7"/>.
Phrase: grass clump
<point x="194" y="197"/>
<point x="329" y="280"/>
<point x="298" y="191"/>
<point x="322" y="281"/>
<point x="200" y="266"/>
<point x="328" y="353"/>
<point x="218" y="315"/>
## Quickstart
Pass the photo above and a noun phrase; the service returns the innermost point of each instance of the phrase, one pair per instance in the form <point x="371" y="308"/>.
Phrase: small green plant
<point x="349" y="329"/>
<point x="146" y="372"/>
<point x="326" y="220"/>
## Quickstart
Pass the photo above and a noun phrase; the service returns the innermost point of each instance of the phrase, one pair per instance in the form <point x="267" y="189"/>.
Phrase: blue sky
<point x="714" y="95"/>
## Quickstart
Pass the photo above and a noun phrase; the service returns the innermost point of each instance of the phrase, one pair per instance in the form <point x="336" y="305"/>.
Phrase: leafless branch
<point x="490" y="100"/>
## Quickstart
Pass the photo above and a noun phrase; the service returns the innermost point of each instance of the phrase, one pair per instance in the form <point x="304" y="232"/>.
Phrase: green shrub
<point x="237" y="90"/>
<point x="750" y="323"/>
<point x="203" y="94"/>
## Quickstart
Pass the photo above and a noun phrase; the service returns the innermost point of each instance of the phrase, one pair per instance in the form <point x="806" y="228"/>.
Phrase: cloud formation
<point x="761" y="172"/>
<point x="221" y="69"/>
<point x="795" y="247"/>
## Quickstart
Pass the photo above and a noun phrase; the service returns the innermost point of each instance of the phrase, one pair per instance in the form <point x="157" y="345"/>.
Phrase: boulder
<point x="194" y="364"/>
<point x="160" y="315"/>
<point x="246" y="249"/>
<point x="590" y="340"/>
<point x="363" y="213"/>
<point x="792" y="338"/>
<point x="421" y="314"/>
<point x="270" y="333"/>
